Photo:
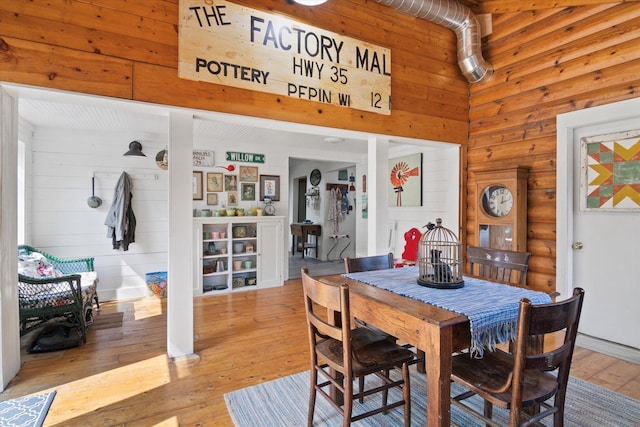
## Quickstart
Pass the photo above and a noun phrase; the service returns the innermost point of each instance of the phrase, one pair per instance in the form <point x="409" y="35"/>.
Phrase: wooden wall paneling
<point x="86" y="39"/>
<point x="540" y="281"/>
<point x="620" y="81"/>
<point x="161" y="85"/>
<point x="549" y="32"/>
<point x="89" y="15"/>
<point x="67" y="69"/>
<point x="507" y="6"/>
<point x="158" y="10"/>
<point x="542" y="230"/>
<point x="568" y="58"/>
<point x="556" y="86"/>
<point x="508" y="23"/>
<point x="424" y="63"/>
<point x="526" y="151"/>
<point x="543" y="265"/>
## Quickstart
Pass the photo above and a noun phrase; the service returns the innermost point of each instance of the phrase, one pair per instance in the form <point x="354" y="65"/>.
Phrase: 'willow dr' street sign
<point x="234" y="156"/>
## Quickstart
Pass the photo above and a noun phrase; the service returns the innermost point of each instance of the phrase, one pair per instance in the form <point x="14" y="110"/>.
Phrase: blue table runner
<point x="492" y="308"/>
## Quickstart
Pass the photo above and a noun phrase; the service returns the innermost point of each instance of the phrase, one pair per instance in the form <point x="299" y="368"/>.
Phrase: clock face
<point x="315" y="177"/>
<point x="269" y="209"/>
<point x="497" y="200"/>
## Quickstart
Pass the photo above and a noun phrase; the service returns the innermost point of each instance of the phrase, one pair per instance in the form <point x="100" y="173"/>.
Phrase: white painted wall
<point x="59" y="183"/>
<point x="63" y="161"/>
<point x="9" y="333"/>
<point x="440" y="197"/>
<point x="440" y="193"/>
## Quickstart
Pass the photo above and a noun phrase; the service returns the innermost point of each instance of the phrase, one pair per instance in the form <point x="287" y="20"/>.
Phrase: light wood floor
<point x="123" y="377"/>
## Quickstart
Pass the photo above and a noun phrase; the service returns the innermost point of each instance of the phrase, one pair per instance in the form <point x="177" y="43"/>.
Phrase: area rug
<point x="284" y="402"/>
<point x="28" y="411"/>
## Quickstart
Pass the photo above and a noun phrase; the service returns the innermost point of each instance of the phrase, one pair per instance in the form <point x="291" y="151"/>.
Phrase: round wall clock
<point x="315" y="177"/>
<point x="501" y="209"/>
<point x="497" y="200"/>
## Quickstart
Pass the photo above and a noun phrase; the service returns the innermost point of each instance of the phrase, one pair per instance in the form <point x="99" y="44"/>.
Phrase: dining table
<point x="439" y="321"/>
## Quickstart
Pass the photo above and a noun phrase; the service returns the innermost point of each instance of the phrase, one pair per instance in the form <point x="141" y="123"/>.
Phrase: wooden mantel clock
<point x="501" y="209"/>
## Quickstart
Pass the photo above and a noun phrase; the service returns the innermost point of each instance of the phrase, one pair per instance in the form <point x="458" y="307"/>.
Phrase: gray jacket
<point x="120" y="221"/>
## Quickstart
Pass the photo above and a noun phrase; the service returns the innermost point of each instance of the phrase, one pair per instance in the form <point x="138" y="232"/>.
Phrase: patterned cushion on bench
<point x="37" y="266"/>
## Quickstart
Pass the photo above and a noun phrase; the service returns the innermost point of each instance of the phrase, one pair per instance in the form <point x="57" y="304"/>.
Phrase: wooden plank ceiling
<point x="508" y="6"/>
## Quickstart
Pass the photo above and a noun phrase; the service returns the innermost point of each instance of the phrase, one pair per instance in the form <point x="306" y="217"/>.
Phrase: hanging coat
<point x="120" y="221"/>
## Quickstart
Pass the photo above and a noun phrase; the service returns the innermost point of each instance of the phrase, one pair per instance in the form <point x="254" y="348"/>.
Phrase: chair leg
<point x="488" y="411"/>
<point x="312" y="396"/>
<point x="348" y="403"/>
<point x="361" y="385"/>
<point x="385" y="393"/>
<point x="406" y="395"/>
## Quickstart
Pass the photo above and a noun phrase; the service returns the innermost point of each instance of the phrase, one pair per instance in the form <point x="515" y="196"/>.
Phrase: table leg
<point x="438" y="366"/>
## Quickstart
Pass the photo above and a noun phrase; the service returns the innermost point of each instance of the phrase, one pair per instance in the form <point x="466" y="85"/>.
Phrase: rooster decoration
<point x="400" y="173"/>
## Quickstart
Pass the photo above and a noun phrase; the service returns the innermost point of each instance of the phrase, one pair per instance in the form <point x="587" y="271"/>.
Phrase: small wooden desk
<point x="436" y="331"/>
<point x="300" y="233"/>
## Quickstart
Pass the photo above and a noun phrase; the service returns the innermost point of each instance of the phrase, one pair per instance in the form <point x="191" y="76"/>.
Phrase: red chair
<point x="410" y="253"/>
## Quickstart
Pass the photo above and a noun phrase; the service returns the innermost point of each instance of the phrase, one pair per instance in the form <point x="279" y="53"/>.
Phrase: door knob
<point x="577" y="245"/>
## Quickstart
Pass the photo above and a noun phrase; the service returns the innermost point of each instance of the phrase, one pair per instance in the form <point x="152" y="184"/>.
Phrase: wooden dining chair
<point x="368" y="263"/>
<point x="497" y="264"/>
<point x="525" y="378"/>
<point x="339" y="355"/>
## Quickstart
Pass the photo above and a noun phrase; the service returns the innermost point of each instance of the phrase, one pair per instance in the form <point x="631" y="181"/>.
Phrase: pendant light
<point x="135" y="149"/>
<point x="310" y="2"/>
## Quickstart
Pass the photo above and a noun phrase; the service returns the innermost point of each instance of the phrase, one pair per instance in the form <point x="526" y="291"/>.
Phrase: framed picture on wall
<point x="249" y="173"/>
<point x="197" y="185"/>
<point x="212" y="199"/>
<point x="405" y="183"/>
<point x="232" y="198"/>
<point x="230" y="183"/>
<point x="214" y="182"/>
<point x="270" y="187"/>
<point x="248" y="191"/>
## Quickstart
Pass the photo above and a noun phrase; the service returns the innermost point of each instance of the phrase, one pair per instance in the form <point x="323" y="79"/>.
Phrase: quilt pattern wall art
<point x="611" y="171"/>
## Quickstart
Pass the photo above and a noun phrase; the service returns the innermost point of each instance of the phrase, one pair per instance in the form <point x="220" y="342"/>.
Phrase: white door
<point x="606" y="255"/>
<point x="599" y="250"/>
<point x="270" y="253"/>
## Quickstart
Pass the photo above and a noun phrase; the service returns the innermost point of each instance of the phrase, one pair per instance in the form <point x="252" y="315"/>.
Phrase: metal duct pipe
<point x="459" y="18"/>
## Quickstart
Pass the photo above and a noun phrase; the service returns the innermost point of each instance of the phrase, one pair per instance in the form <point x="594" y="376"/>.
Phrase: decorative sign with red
<point x="232" y="45"/>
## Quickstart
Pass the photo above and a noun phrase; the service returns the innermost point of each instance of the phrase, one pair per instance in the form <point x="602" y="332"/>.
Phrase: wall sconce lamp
<point x="135" y="149"/>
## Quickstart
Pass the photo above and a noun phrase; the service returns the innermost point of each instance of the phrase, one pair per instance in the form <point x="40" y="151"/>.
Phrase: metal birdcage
<point x="440" y="258"/>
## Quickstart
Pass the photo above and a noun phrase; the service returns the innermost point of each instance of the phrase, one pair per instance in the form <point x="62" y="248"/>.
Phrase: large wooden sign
<point x="225" y="43"/>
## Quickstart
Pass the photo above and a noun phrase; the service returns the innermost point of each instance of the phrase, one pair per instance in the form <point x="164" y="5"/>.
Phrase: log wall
<point x="547" y="62"/>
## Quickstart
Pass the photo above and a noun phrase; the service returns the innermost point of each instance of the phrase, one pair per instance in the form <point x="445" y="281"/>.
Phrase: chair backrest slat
<point x="368" y="263"/>
<point x="497" y="264"/>
<point x="542" y="319"/>
<point x="327" y="307"/>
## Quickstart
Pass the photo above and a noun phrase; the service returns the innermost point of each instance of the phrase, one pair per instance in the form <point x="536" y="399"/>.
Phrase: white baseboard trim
<point x="123" y="294"/>
<point x="609" y="348"/>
